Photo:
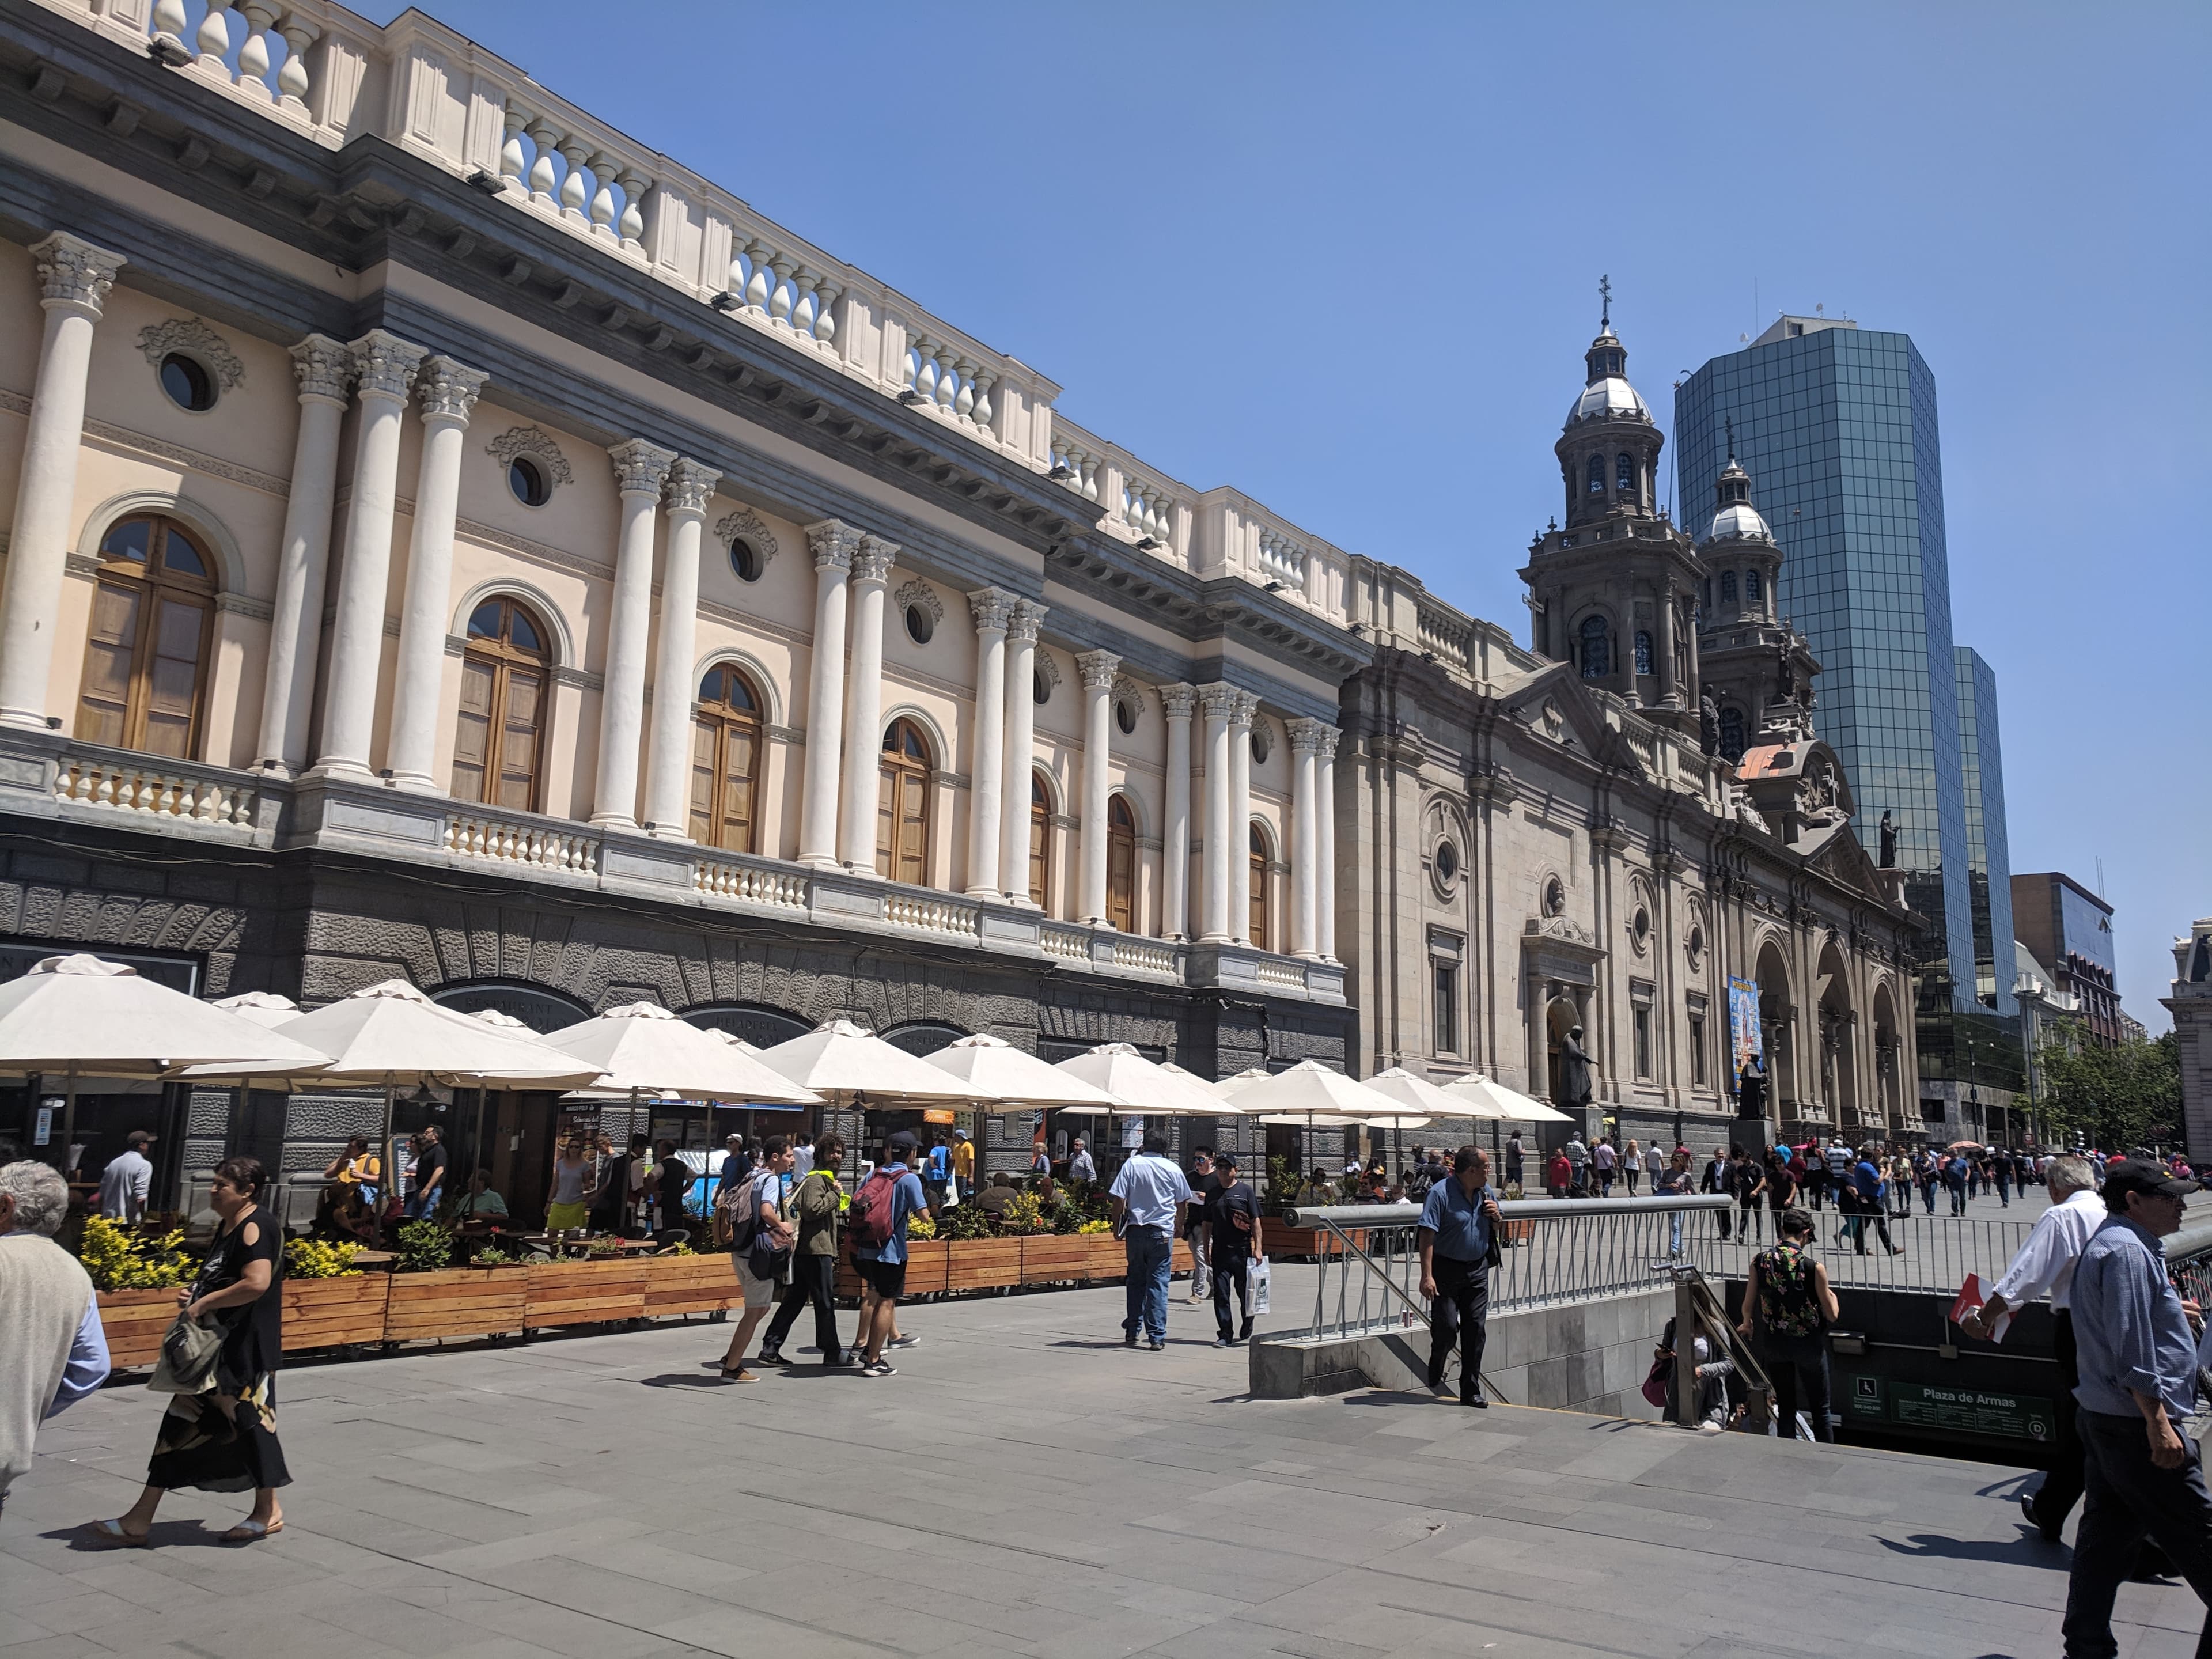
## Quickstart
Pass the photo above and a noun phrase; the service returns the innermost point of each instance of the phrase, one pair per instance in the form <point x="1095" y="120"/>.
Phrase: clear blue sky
<point x="1344" y="259"/>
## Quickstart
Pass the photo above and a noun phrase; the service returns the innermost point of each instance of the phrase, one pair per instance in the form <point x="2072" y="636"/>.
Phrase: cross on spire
<point x="1604" y="298"/>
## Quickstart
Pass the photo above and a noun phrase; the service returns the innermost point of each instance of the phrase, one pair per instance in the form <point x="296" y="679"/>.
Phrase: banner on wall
<point x="1745" y="1042"/>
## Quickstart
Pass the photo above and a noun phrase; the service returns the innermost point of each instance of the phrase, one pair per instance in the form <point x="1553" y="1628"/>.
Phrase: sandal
<point x="110" y="1535"/>
<point x="252" y="1532"/>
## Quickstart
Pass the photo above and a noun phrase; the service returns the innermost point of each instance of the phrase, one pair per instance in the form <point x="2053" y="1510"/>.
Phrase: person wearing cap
<point x="881" y="1266"/>
<point x="2137" y="1360"/>
<point x="1149" y="1192"/>
<point x="2045" y="1266"/>
<point x="1235" y="1238"/>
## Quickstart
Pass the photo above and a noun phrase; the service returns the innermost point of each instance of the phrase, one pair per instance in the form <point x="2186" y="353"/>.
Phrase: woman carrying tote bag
<point x="225" y="1439"/>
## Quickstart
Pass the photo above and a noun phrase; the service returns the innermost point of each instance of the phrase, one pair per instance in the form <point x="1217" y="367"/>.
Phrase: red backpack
<point x="868" y="1223"/>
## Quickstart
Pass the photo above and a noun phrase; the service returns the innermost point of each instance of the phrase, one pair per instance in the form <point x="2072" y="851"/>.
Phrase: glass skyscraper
<point x="1837" y="426"/>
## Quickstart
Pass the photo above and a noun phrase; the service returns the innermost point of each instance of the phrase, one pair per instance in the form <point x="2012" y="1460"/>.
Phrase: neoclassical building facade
<point x="445" y="542"/>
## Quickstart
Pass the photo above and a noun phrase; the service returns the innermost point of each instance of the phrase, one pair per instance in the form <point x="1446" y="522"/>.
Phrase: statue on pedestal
<point x="1889" y="843"/>
<point x="1574" y="1071"/>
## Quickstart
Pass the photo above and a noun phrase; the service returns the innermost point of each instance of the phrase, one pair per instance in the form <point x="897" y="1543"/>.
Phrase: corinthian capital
<point x="384" y="364"/>
<point x="690" y="486"/>
<point x="1242" y="708"/>
<point x="1305" y="736"/>
<point x="447" y="390"/>
<point x="73" y="272"/>
<point x="1176" y="700"/>
<point x="834" y="542"/>
<point x="873" y="558"/>
<point x="1028" y="617"/>
<point x="323" y="366"/>
<point x="1325" y="740"/>
<point x="640" y="468"/>
<point x="1098" y="668"/>
<point x="991" y="608"/>
<point x="1218" y="701"/>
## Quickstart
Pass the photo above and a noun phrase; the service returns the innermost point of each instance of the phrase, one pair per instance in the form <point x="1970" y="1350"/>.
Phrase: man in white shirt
<point x="2045" y="1265"/>
<point x="1149" y="1192"/>
<point x="125" y="1183"/>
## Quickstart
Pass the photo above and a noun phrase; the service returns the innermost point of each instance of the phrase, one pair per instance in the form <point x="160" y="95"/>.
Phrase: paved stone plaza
<point x="1025" y="1485"/>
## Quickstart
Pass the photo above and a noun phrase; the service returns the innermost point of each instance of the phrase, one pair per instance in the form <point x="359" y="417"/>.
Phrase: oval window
<point x="1697" y="946"/>
<point x="1125" y="715"/>
<point x="746" y="560"/>
<point x="528" y="480"/>
<point x="1447" y="862"/>
<point x="1039" y="689"/>
<point x="919" y="624"/>
<point x="189" y="385"/>
<point x="1641" y="927"/>
<point x="1262" y="745"/>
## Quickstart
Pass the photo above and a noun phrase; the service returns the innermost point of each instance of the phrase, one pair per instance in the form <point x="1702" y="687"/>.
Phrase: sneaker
<point x="904" y="1342"/>
<point x="1710" y="1427"/>
<point x="1158" y="1345"/>
<point x="840" y="1361"/>
<point x="772" y="1357"/>
<point x="1244" y="1334"/>
<point x="1128" y="1339"/>
<point x="1224" y="1342"/>
<point x="881" y="1368"/>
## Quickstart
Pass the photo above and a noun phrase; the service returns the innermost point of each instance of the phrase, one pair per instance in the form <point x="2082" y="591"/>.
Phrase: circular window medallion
<point x="746" y="560"/>
<point x="529" y="482"/>
<point x="919" y="624"/>
<point x="1640" y="929"/>
<point x="189" y="385"/>
<point x="1125" y="715"/>
<point x="1447" y="865"/>
<point x="1695" y="947"/>
<point x="1039" y="689"/>
<point x="1262" y="745"/>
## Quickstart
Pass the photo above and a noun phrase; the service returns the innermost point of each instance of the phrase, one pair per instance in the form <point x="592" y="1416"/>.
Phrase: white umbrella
<point x="998" y="1072"/>
<point x="1311" y="1090"/>
<point x="264" y="1008"/>
<point x="840" y="1058"/>
<point x="85" y="1017"/>
<point x="1141" y="1087"/>
<point x="1229" y="1087"/>
<point x="1486" y="1098"/>
<point x="644" y="1049"/>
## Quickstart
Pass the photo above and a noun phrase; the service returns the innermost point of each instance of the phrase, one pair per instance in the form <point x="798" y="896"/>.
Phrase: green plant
<point x="1092" y="1229"/>
<point x="922" y="1228"/>
<point x="311" y="1258"/>
<point x="602" y="1249"/>
<point x="1282" y="1184"/>
<point x="423" y="1247"/>
<point x="1023" y="1216"/>
<point x="117" y="1259"/>
<point x="963" y="1221"/>
<point x="1064" y="1217"/>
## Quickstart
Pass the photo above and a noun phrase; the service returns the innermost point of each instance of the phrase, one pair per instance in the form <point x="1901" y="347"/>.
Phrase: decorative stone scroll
<point x="539" y="446"/>
<point x="196" y="340"/>
<point x="916" y="592"/>
<point x="745" y="525"/>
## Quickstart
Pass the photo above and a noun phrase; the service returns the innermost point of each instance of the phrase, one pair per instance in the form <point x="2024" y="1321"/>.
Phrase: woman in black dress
<point x="225" y="1440"/>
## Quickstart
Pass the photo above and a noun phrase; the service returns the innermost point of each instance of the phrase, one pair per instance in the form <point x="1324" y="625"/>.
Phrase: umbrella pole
<point x="69" y="1119"/>
<point x="390" y="1183"/>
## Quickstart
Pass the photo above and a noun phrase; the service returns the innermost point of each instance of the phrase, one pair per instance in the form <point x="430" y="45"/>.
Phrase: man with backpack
<point x="890" y="1196"/>
<point x="813" y="1207"/>
<point x="760" y="1241"/>
<point x="1788" y="1298"/>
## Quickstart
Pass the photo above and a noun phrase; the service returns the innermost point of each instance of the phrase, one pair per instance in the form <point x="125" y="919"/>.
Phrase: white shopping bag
<point x="1255" y="1277"/>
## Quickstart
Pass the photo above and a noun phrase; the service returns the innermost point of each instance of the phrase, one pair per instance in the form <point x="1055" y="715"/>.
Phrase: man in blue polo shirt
<point x="1149" y="1192"/>
<point x="1456" y="1236"/>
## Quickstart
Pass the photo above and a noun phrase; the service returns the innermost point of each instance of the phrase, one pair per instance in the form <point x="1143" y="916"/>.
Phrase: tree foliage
<point x="2115" y="1098"/>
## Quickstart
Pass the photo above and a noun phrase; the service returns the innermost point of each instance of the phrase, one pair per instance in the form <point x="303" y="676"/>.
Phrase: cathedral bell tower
<point x="1614" y="592"/>
<point x="1758" y="670"/>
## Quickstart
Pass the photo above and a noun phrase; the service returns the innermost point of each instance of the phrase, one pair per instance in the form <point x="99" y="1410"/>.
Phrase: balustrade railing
<point x="958" y="918"/>
<point x="1144" y="957"/>
<point x="146" y="787"/>
<point x="1282" y="559"/>
<point x="1068" y="944"/>
<point x="495" y="840"/>
<point x="1443" y="633"/>
<point x="747" y="881"/>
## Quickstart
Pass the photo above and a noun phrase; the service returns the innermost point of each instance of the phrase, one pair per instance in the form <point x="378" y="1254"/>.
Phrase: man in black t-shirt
<point x="428" y="1176"/>
<point x="1204" y="1183"/>
<point x="1234" y="1238"/>
<point x="672" y="1178"/>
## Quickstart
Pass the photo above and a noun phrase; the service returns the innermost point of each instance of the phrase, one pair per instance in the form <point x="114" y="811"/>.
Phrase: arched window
<point x="1597" y="655"/>
<point x="1040" y="841"/>
<point x="145" y="660"/>
<point x="1597" y="475"/>
<point x="1259" y="857"/>
<point x="1643" y="652"/>
<point x="902" y="806"/>
<point x="1732" y="735"/>
<point x="1121" y="864"/>
<point x="1753" y="591"/>
<point x="725" y="750"/>
<point x="501" y="729"/>
<point x="1727" y="587"/>
<point x="1623" y="474"/>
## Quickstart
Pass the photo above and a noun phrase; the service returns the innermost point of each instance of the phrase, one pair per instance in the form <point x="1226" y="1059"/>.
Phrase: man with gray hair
<point x="2045" y="1265"/>
<point x="52" y="1352"/>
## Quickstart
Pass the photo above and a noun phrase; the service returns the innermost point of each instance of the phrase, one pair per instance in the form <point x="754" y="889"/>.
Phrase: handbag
<point x="1255" y="1279"/>
<point x="189" y="1351"/>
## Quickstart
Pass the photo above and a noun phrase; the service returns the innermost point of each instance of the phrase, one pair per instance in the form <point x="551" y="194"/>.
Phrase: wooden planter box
<point x="982" y="1264"/>
<point x="135" y="1322"/>
<point x="328" y="1313"/>
<point x="1051" y="1259"/>
<point x="455" y="1301"/>
<point x="927" y="1262"/>
<point x="1109" y="1256"/>
<point x="584" y="1292"/>
<point x="690" y="1283"/>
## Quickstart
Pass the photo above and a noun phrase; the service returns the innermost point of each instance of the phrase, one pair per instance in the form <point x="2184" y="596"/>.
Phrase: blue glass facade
<point x="1838" y="428"/>
<point x="1988" y="861"/>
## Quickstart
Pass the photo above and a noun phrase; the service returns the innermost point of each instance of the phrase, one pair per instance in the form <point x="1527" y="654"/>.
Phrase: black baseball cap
<point x="904" y="1141"/>
<point x="2125" y="1176"/>
<point x="1225" y="1160"/>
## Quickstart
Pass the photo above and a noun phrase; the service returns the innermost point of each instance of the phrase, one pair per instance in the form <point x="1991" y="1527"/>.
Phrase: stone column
<point x="1217" y="701"/>
<point x="1664" y="647"/>
<point x="74" y="278"/>
<point x="447" y="392"/>
<point x="1237" y="845"/>
<point x="1305" y="836"/>
<point x="324" y="369"/>
<point x="1098" y="669"/>
<point x="1325" y="844"/>
<point x="834" y="545"/>
<point x="1174" y="841"/>
<point x="991" y="608"/>
<point x="385" y="366"/>
<point x="668" y="761"/>
<point x="641" y="471"/>
<point x="863" y="707"/>
<point x="1021" y="744"/>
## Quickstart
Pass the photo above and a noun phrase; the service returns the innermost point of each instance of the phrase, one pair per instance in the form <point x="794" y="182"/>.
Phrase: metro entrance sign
<point x="1949" y="1411"/>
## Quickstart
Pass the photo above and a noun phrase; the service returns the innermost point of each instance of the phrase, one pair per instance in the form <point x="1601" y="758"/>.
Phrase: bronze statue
<point x="1889" y="843"/>
<point x="1574" y="1070"/>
